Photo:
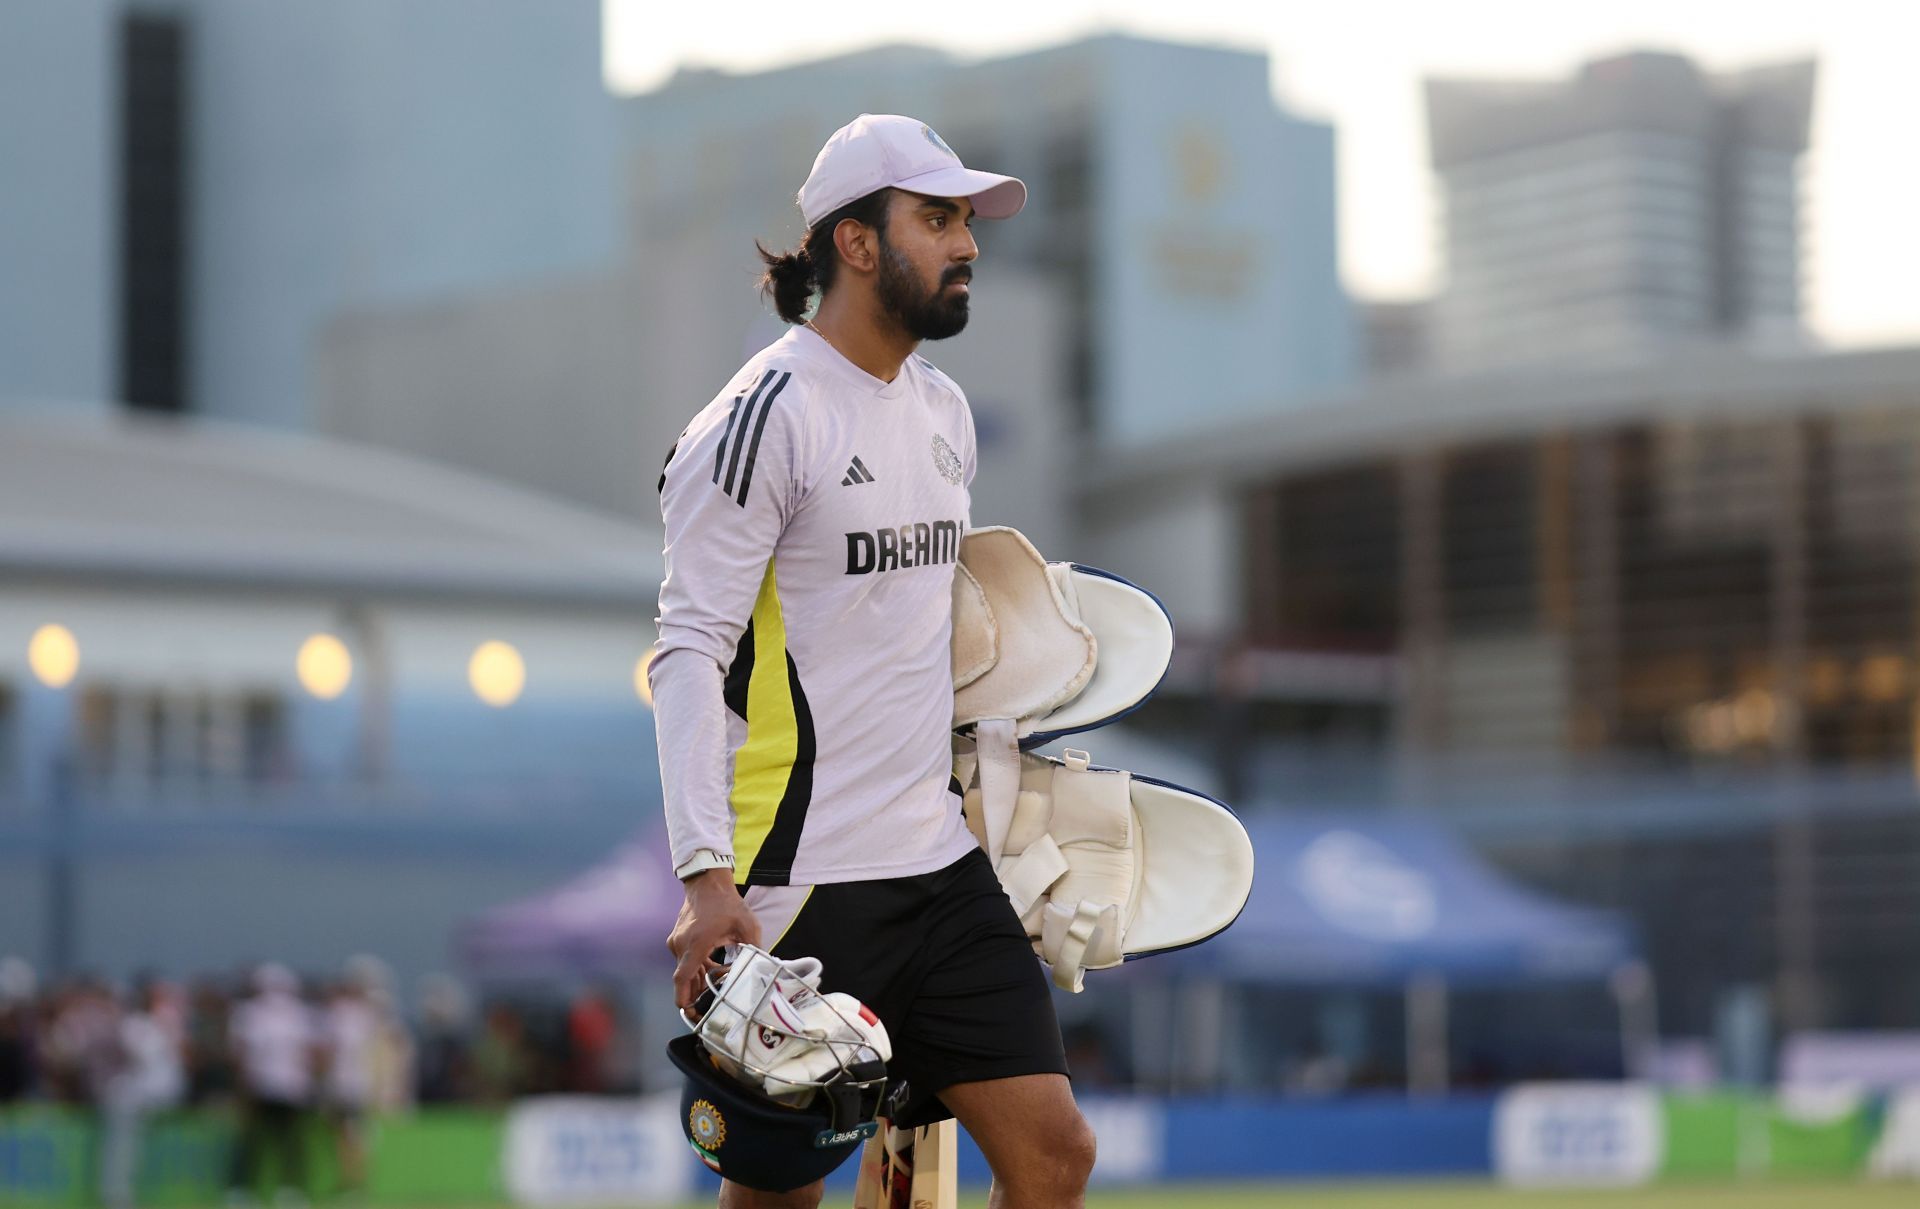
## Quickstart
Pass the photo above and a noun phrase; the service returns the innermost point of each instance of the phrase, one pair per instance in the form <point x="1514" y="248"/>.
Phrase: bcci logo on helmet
<point x="708" y="1127"/>
<point x="706" y="1133"/>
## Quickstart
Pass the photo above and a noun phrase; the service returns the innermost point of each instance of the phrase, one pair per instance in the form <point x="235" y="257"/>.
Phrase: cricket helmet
<point x="783" y="1082"/>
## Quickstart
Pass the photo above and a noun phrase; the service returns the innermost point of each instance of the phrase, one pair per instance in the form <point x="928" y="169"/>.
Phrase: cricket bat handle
<point x="909" y="1169"/>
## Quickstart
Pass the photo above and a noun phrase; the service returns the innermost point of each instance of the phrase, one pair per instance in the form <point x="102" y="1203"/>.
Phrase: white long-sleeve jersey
<point x="802" y="684"/>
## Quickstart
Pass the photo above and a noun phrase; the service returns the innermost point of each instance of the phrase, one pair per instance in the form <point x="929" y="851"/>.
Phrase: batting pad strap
<point x="1027" y="878"/>
<point x="999" y="755"/>
<point x="1069" y="935"/>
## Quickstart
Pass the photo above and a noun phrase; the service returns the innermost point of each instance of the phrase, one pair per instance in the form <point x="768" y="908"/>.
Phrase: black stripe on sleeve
<point x="720" y="454"/>
<point x="733" y="689"/>
<point x="740" y="432"/>
<point x="774" y="865"/>
<point x="661" y="487"/>
<point x="760" y="426"/>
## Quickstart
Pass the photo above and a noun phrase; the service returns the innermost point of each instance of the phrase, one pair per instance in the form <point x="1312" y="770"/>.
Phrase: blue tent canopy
<point x="1370" y="900"/>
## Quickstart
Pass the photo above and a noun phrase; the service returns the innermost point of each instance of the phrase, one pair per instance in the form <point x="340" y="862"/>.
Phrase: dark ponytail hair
<point x="792" y="278"/>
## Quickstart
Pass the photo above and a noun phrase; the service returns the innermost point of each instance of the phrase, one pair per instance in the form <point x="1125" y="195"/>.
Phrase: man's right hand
<point x="714" y="916"/>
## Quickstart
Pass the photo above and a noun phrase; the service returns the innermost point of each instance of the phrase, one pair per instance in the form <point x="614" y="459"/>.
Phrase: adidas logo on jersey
<point x="857" y="473"/>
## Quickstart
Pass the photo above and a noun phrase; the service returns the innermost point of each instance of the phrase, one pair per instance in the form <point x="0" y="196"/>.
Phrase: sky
<point x="1360" y="63"/>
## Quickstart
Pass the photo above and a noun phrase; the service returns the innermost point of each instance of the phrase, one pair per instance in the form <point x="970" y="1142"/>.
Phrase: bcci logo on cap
<point x="937" y="141"/>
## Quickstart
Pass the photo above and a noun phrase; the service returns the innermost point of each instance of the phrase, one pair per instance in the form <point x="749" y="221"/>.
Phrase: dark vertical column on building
<point x="1596" y="630"/>
<point x="1260" y="589"/>
<point x="1234" y="676"/>
<point x="1065" y="251"/>
<point x="1422" y="622"/>
<point x="1553" y="553"/>
<point x="1726" y="272"/>
<point x="1491" y="536"/>
<point x="1795" y="919"/>
<point x="153" y="211"/>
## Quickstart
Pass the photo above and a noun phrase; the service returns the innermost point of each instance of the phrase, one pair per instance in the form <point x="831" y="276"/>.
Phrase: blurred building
<point x="1397" y="337"/>
<point x="1186" y="216"/>
<point x="578" y="387"/>
<point x="267" y="695"/>
<point x="57" y="205"/>
<point x="1640" y="207"/>
<point x="1651" y="634"/>
<point x="261" y="693"/>
<point x="428" y="228"/>
<point x="196" y="187"/>
<point x="1175" y="268"/>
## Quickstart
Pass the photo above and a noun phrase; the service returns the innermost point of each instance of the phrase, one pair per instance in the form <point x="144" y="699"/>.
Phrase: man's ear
<point x="858" y="245"/>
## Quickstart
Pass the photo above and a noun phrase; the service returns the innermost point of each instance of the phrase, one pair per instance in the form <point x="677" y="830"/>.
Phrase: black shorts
<point x="943" y="960"/>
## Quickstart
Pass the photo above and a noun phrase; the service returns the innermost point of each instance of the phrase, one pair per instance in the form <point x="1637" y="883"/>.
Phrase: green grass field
<point x="1483" y="1196"/>
<point x="1442" y="1196"/>
<point x="1486" y="1196"/>
<point x="1471" y="1196"/>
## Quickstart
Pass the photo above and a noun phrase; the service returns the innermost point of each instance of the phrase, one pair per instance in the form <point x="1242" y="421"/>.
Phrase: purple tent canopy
<point x="611" y="919"/>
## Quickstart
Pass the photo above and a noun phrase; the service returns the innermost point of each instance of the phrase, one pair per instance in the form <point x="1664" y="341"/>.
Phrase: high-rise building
<point x="56" y="201"/>
<point x="1187" y="216"/>
<point x="191" y="191"/>
<point x="1175" y="269"/>
<point x="1640" y="207"/>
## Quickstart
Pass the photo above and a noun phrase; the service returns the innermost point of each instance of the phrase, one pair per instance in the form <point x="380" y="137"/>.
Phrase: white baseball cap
<point x="884" y="150"/>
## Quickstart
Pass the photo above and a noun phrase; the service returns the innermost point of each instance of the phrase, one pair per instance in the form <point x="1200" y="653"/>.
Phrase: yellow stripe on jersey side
<point x="764" y="762"/>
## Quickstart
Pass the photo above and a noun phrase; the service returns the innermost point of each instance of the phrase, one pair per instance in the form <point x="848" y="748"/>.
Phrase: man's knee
<point x="733" y="1196"/>
<point x="1056" y="1168"/>
<point x="1078" y="1150"/>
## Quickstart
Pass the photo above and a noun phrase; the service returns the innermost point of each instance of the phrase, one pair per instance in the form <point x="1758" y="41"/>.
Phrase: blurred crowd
<point x="83" y="1041"/>
<point x="280" y="1050"/>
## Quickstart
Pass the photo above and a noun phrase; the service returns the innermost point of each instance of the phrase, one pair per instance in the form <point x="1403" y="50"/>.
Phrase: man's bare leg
<point x="733" y="1196"/>
<point x="1039" y="1146"/>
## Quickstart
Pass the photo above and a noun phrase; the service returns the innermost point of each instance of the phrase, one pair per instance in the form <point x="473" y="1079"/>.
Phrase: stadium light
<point x="497" y="674"/>
<point x="54" y="655"/>
<point x="325" y="666"/>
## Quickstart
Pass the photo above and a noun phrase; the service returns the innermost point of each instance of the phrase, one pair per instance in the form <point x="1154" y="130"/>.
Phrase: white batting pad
<point x="1042" y="656"/>
<point x="1066" y="648"/>
<point x="1103" y="866"/>
<point x="976" y="640"/>
<point x="1201" y="862"/>
<point x="1135" y="638"/>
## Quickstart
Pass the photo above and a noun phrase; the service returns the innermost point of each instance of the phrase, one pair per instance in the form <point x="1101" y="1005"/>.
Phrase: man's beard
<point x="923" y="316"/>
